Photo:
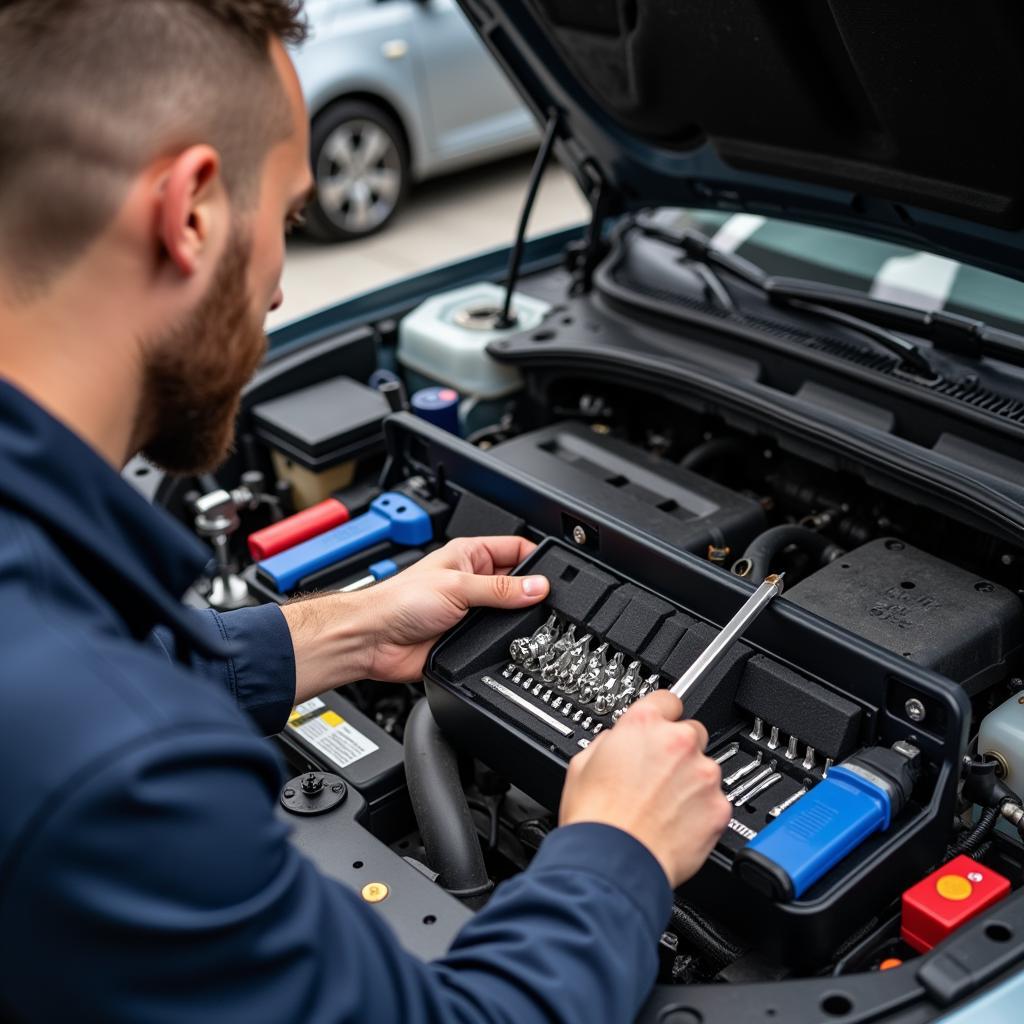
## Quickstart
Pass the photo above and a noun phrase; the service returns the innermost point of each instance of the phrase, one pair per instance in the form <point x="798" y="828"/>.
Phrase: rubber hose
<point x="717" y="447"/>
<point x="442" y="811"/>
<point x="968" y="842"/>
<point x="700" y="934"/>
<point x="766" y="547"/>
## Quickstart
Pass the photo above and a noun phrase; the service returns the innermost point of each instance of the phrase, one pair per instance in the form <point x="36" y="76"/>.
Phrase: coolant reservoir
<point x="444" y="341"/>
<point x="1002" y="734"/>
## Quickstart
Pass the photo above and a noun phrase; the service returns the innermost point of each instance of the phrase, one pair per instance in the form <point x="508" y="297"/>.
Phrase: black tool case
<point x="839" y="694"/>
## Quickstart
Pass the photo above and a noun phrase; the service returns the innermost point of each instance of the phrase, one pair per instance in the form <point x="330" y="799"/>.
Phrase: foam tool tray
<point x="492" y="696"/>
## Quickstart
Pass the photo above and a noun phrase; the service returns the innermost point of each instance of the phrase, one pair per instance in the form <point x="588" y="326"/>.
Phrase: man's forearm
<point x="332" y="638"/>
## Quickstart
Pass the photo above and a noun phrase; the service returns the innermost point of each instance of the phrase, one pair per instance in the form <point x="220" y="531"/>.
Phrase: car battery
<point x="331" y="733"/>
<point x="517" y="690"/>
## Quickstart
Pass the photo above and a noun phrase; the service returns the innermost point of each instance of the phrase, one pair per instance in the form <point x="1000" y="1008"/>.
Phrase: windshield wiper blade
<point x="908" y="354"/>
<point x="959" y="335"/>
<point x="949" y="332"/>
<point x="791" y="294"/>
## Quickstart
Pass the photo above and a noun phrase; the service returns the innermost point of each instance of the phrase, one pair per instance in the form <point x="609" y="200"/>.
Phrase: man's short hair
<point x="91" y="91"/>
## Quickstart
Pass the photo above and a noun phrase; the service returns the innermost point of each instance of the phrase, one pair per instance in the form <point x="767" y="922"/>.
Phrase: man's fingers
<point x="701" y="731"/>
<point x="502" y="591"/>
<point x="662" y="703"/>
<point x="484" y="554"/>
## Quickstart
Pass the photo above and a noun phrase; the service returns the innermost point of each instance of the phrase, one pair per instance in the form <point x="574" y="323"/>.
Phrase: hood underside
<point x="898" y="120"/>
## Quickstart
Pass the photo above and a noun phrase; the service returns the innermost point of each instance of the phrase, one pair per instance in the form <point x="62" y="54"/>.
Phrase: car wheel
<point x="362" y="171"/>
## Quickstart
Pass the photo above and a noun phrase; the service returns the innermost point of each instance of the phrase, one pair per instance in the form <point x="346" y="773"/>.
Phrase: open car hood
<point x="896" y="120"/>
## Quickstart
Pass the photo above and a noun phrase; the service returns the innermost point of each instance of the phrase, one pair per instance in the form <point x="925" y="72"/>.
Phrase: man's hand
<point x="649" y="777"/>
<point x="412" y="610"/>
<point x="387" y="631"/>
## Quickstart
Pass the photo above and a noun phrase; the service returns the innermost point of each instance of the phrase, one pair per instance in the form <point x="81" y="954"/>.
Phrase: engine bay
<point x="655" y="507"/>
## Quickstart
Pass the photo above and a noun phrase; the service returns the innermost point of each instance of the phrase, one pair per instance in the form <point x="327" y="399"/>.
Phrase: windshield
<point x="892" y="273"/>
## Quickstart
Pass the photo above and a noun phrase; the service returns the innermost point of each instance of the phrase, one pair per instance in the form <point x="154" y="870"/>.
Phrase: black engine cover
<point x="920" y="607"/>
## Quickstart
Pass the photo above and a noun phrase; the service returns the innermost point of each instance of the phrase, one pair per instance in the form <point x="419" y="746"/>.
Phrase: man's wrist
<point x="333" y="637"/>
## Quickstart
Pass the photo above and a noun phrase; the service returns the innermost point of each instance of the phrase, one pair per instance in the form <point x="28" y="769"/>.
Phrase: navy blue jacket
<point x="127" y="894"/>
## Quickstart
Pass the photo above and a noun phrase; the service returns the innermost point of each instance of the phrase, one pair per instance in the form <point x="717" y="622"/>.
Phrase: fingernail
<point x="535" y="586"/>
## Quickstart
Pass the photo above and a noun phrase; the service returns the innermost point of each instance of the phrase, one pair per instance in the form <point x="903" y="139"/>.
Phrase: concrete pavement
<point x="443" y="220"/>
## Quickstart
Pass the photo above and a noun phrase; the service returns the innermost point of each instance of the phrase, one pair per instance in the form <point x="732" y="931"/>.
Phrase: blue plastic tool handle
<point x="383" y="570"/>
<point x="392" y="517"/>
<point x="823" y="827"/>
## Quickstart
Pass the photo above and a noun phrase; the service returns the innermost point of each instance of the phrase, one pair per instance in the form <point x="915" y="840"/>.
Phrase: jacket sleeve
<point x="163" y="888"/>
<point x="260" y="675"/>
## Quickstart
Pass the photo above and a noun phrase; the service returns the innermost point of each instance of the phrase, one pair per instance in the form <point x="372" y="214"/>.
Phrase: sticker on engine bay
<point x="333" y="737"/>
<point x="305" y="709"/>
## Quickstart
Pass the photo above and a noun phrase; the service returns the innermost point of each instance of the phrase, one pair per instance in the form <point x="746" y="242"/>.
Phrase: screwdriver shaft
<point x="731" y="632"/>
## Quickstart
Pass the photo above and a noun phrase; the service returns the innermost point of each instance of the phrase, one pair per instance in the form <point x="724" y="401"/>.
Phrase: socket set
<point x="587" y="682"/>
<point x="764" y="772"/>
<point x="525" y="690"/>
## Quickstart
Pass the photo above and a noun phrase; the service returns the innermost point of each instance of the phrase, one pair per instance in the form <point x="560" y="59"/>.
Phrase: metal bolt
<point x="579" y="535"/>
<point x="312" y="784"/>
<point x="289" y="793"/>
<point x="915" y="710"/>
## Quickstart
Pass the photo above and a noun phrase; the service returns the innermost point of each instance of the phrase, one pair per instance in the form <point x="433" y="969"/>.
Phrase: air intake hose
<point x="765" y="548"/>
<point x="442" y="813"/>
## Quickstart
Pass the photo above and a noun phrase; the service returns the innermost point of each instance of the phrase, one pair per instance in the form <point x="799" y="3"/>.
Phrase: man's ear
<point x="192" y="199"/>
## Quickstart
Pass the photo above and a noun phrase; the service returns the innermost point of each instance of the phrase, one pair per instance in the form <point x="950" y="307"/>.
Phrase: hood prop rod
<point x="508" y="317"/>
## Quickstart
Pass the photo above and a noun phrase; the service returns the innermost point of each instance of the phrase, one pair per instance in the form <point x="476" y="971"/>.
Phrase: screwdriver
<point x="384" y="570"/>
<point x="731" y="632"/>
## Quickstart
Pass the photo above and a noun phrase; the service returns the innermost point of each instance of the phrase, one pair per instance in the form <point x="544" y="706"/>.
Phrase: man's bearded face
<point x="194" y="374"/>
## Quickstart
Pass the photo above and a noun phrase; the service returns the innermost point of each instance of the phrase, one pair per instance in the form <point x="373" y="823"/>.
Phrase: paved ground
<point x="444" y="220"/>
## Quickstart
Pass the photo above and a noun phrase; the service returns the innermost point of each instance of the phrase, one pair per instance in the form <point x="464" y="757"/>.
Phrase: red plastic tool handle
<point x="295" y="529"/>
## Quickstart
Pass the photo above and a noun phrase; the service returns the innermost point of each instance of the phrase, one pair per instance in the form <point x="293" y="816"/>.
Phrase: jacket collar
<point x="137" y="556"/>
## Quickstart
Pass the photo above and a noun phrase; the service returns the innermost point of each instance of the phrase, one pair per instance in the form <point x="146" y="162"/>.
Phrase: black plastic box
<point x="921" y="608"/>
<point x="851" y="701"/>
<point x="325" y="424"/>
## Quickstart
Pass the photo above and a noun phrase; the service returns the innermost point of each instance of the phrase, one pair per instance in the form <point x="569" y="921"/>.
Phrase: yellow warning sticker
<point x="335" y="738"/>
<point x="305" y="709"/>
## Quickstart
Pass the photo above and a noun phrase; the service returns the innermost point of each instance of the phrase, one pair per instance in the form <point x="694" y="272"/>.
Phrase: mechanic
<point x="151" y="152"/>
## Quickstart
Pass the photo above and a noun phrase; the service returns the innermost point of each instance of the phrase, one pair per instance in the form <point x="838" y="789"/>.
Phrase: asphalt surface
<point x="444" y="220"/>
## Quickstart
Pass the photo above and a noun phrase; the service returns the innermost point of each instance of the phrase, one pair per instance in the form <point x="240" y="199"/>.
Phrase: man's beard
<point x="194" y="374"/>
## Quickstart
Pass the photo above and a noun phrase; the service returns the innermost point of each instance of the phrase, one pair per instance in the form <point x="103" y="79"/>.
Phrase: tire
<point x="356" y="198"/>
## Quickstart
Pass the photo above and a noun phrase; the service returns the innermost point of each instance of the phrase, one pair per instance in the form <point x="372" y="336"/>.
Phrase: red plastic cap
<point x="947" y="898"/>
<point x="295" y="529"/>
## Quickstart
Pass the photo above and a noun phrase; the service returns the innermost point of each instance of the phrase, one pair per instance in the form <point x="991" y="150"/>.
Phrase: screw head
<point x="375" y="892"/>
<point x="915" y="710"/>
<point x="579" y="535"/>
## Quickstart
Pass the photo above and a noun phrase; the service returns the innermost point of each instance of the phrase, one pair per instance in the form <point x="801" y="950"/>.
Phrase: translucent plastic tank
<point x="444" y="341"/>
<point x="1002" y="734"/>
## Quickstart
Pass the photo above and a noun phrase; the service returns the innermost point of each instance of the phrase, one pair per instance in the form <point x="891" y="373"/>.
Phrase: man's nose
<point x="278" y="300"/>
